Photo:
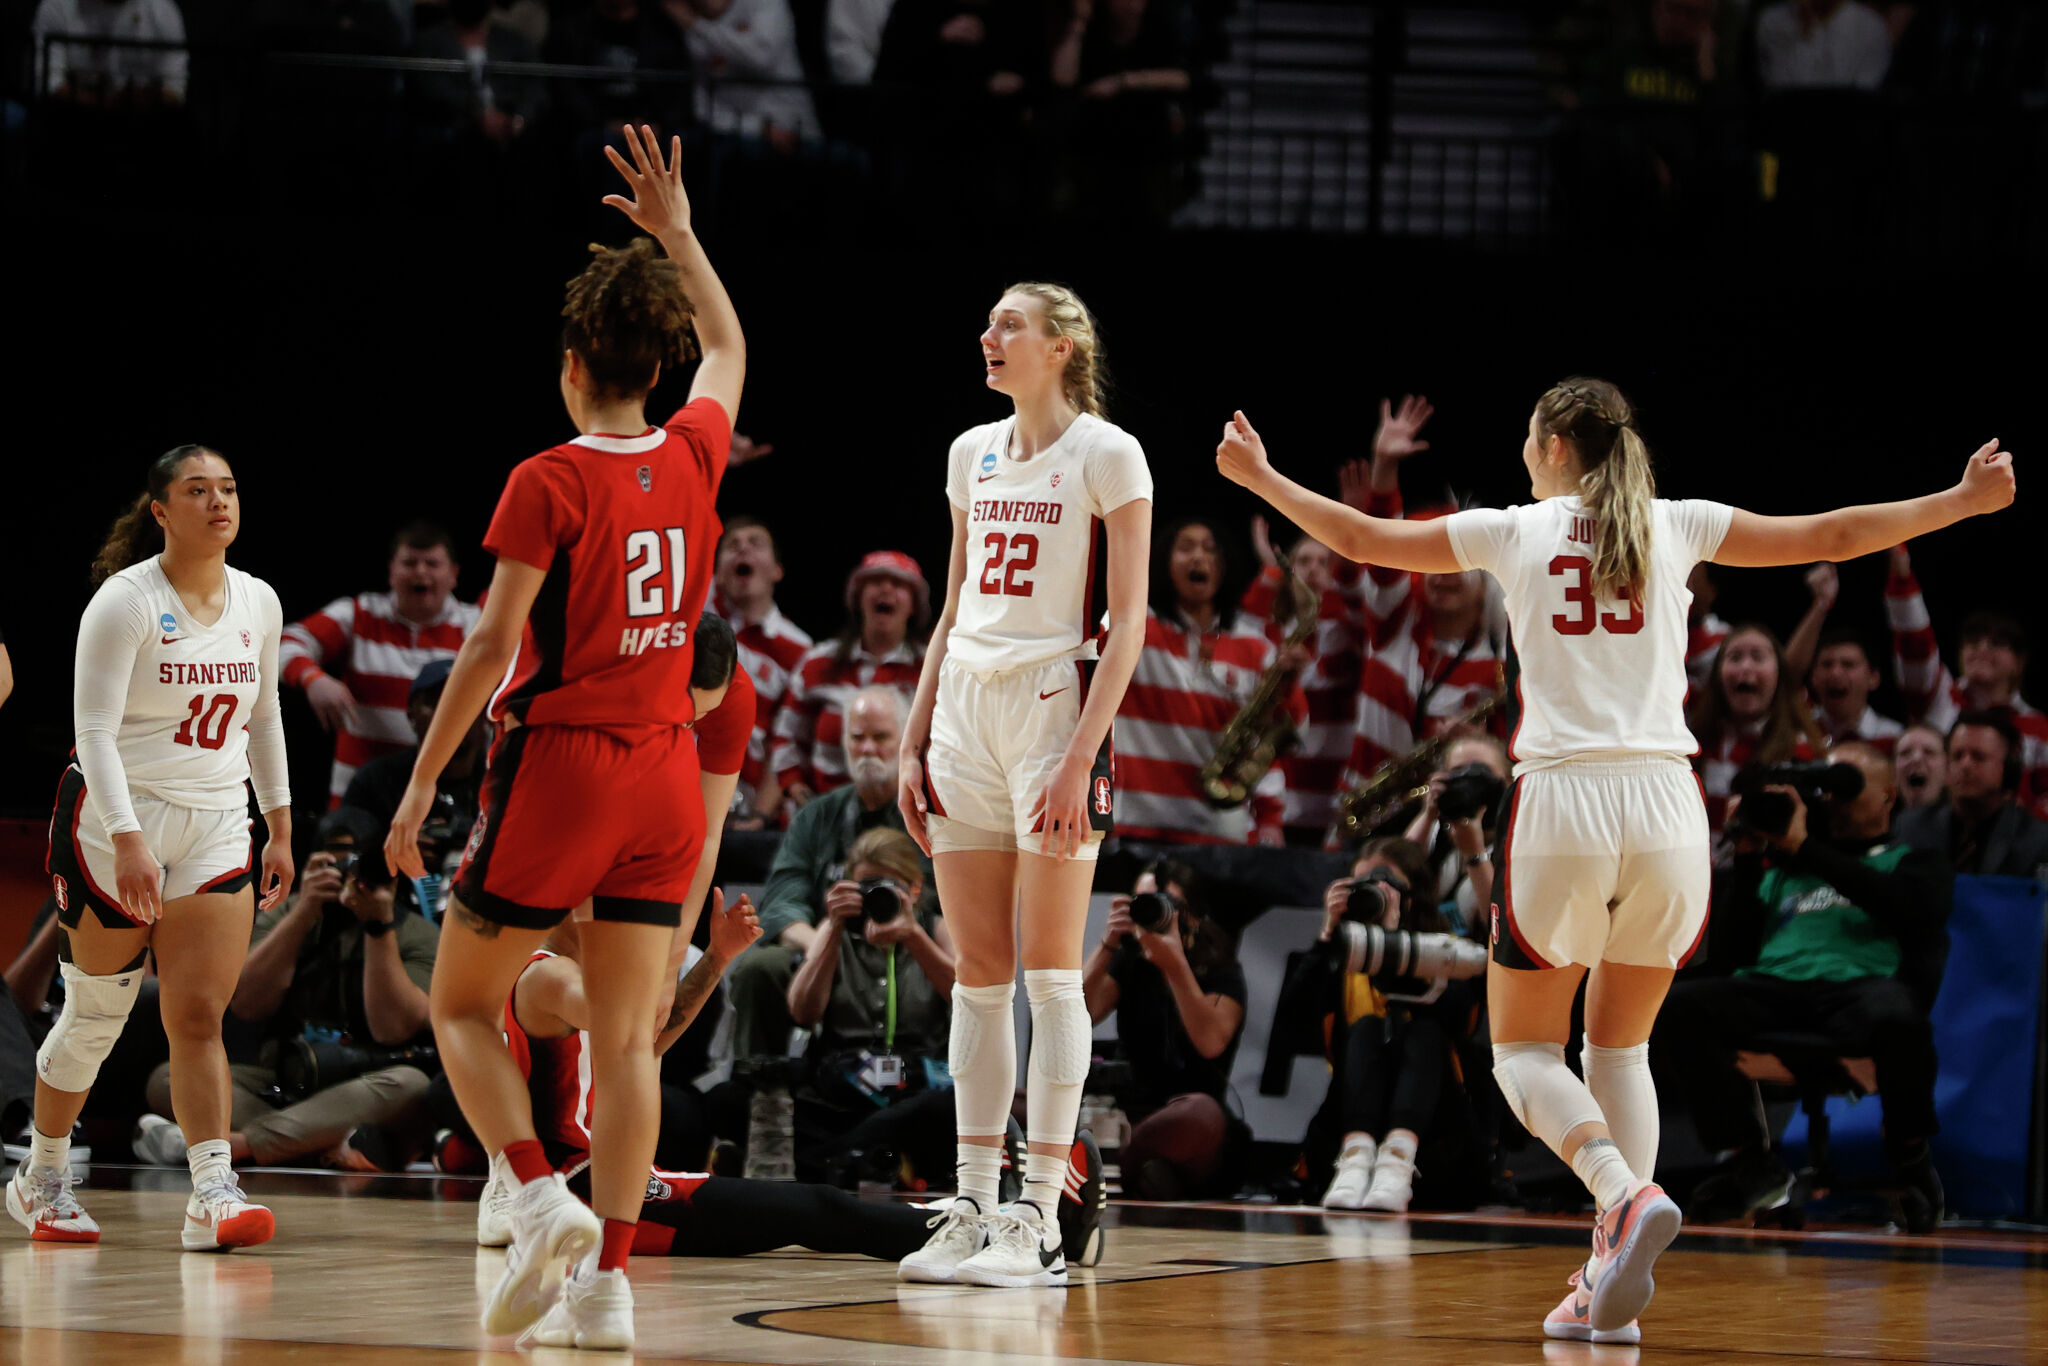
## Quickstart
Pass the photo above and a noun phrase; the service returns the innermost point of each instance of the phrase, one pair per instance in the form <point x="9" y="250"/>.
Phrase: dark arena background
<point x="314" y="262"/>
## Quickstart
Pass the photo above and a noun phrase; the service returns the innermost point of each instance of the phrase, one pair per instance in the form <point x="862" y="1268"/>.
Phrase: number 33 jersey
<point x="1032" y="572"/>
<point x="624" y="528"/>
<point x="1598" y="675"/>
<point x="172" y="709"/>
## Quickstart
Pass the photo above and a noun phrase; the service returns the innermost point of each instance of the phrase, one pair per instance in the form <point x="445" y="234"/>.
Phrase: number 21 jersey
<point x="1029" y="594"/>
<point x="624" y="527"/>
<point x="1598" y="675"/>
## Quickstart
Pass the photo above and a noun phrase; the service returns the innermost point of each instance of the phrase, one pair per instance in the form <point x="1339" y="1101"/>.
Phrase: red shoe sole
<point x="58" y="1235"/>
<point x="247" y="1229"/>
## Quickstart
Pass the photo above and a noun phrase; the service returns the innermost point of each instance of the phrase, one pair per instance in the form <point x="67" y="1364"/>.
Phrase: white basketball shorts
<point x="996" y="741"/>
<point x="1603" y="859"/>
<point x="199" y="851"/>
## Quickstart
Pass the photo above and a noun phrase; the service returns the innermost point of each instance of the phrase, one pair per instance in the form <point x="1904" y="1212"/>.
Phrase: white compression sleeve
<point x="1620" y="1081"/>
<point x="268" y="771"/>
<point x="115" y="624"/>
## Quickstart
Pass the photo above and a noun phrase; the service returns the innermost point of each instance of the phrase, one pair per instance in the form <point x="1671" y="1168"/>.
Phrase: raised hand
<point x="658" y="205"/>
<point x="1395" y="438"/>
<point x="1241" y="455"/>
<point x="1354" y="483"/>
<point x="733" y="928"/>
<point x="1262" y="544"/>
<point x="1987" y="484"/>
<point x="1824" y="581"/>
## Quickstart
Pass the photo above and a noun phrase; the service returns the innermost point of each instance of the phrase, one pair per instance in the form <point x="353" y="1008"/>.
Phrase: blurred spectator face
<point x="872" y="737"/>
<point x="1700" y="584"/>
<point x="1749" y="675"/>
<point x="1921" y="758"/>
<point x="1991" y="664"/>
<point x="1976" y="764"/>
<point x="747" y="563"/>
<point x="1683" y="23"/>
<point x="1477" y="749"/>
<point x="1194" y="566"/>
<point x="421" y="580"/>
<point x="886" y="605"/>
<point x="1842" y="679"/>
<point x="1020" y="356"/>
<point x="1870" y="814"/>
<point x="1454" y="595"/>
<point x="1313" y="564"/>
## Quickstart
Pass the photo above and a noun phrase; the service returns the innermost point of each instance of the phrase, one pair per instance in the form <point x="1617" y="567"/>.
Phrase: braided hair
<point x="1086" y="380"/>
<point x="1616" y="484"/>
<point x="626" y="317"/>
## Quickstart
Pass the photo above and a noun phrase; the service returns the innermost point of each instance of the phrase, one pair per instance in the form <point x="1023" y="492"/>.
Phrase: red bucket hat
<point x="891" y="564"/>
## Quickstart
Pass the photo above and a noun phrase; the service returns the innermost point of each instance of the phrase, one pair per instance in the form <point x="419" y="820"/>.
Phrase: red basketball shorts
<point x="573" y="812"/>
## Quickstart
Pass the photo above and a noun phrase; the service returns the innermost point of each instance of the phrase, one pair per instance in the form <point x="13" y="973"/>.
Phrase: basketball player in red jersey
<point x="604" y="547"/>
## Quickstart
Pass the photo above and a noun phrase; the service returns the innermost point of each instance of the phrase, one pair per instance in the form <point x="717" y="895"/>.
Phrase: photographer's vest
<point x="1815" y="935"/>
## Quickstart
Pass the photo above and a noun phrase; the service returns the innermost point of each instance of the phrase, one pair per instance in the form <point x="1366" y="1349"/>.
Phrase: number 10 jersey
<point x="625" y="528"/>
<point x="1032" y="572"/>
<point x="1598" y="675"/>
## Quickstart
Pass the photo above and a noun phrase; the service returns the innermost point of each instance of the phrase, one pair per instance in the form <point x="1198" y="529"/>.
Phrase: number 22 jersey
<point x="625" y="528"/>
<point x="1598" y="675"/>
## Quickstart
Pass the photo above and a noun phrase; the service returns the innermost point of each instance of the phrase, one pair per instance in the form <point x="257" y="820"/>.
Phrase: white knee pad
<point x="95" y="1011"/>
<point x="1542" y="1091"/>
<point x="983" y="1058"/>
<point x="1062" y="1041"/>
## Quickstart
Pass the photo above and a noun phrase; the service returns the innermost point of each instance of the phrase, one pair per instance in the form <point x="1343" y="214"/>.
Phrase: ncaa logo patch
<point x="1102" y="796"/>
<point x="63" y="893"/>
<point x="646" y="476"/>
<point x="168" y="622"/>
<point x="988" y="463"/>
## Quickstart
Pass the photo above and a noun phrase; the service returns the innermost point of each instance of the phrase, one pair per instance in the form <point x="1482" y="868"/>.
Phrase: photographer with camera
<point x="877" y="981"/>
<point x="337" y="977"/>
<point x="1168" y="974"/>
<point x="1401" y="1008"/>
<point x="1980" y="826"/>
<point x="1839" y="930"/>
<point x="379" y="786"/>
<point x="1456" y="827"/>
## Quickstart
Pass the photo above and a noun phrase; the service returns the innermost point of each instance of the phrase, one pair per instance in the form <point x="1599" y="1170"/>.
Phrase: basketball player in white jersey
<point x="1005" y="775"/>
<point x="175" y="703"/>
<point x="1604" y="868"/>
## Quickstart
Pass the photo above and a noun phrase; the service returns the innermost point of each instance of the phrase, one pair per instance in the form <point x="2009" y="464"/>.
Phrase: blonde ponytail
<point x="1616" y="484"/>
<point x="1086" y="378"/>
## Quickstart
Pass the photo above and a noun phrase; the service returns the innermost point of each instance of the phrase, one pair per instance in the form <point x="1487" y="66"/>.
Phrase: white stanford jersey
<point x="1030" y="587"/>
<point x="1598" y="675"/>
<point x="169" y="709"/>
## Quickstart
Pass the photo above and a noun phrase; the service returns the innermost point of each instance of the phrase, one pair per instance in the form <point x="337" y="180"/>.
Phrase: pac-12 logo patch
<point x="646" y="476"/>
<point x="1102" y="796"/>
<point x="63" y="893"/>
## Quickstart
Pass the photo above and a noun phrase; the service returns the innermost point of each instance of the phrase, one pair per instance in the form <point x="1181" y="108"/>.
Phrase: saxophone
<point x="1400" y="781"/>
<point x="1262" y="730"/>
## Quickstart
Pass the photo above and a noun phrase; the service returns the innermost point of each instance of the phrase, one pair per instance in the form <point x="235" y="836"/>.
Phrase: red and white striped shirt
<point x="770" y="651"/>
<point x="1718" y="766"/>
<point x="1172" y="717"/>
<point x="1314" y="773"/>
<point x="364" y="642"/>
<point x="1935" y="697"/>
<point x="1702" y="643"/>
<point x="810" y="724"/>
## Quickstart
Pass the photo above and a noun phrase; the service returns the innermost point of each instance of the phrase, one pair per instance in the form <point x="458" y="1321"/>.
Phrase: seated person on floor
<point x="1406" y="996"/>
<point x="877" y="983"/>
<point x="1169" y="975"/>
<point x="1839" y="931"/>
<point x="693" y="1214"/>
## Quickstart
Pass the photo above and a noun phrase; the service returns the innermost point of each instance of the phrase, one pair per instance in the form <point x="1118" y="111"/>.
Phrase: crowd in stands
<point x="1831" y="901"/>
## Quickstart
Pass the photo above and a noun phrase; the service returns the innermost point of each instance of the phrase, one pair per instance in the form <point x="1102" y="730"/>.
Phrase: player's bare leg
<point x="978" y="888"/>
<point x="200" y="943"/>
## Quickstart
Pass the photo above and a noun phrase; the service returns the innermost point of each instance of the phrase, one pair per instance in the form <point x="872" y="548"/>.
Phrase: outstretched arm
<point x="1424" y="547"/>
<point x="659" y="207"/>
<point x="1758" y="542"/>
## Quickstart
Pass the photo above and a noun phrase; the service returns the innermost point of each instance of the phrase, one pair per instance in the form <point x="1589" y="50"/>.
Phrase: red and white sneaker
<point x="1572" y="1320"/>
<point x="219" y="1218"/>
<point x="41" y="1202"/>
<point x="1626" y="1242"/>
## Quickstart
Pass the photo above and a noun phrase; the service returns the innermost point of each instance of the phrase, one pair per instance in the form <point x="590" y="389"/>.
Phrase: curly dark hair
<point x="626" y="317"/>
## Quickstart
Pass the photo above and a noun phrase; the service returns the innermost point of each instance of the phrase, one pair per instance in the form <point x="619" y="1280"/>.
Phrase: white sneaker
<point x="219" y="1217"/>
<point x="494" y="1212"/>
<point x="1023" y="1250"/>
<point x="1354" y="1175"/>
<point x="962" y="1232"/>
<point x="594" y="1312"/>
<point x="551" y="1231"/>
<point x="1393" y="1184"/>
<point x="41" y="1202"/>
<point x="158" y="1141"/>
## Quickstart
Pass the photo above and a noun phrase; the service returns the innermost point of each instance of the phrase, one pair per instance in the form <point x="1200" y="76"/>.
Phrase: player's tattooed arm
<point x="691" y="994"/>
<point x="471" y="921"/>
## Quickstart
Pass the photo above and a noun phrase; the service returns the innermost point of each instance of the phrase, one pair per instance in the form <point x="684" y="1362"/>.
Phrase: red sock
<point x="527" y="1161"/>
<point x="618" y="1245"/>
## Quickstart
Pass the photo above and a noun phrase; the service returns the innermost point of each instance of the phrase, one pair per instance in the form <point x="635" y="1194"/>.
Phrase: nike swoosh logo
<point x="1047" y="1255"/>
<point x="983" y="478"/>
<point x="170" y="640"/>
<point x="1054" y="693"/>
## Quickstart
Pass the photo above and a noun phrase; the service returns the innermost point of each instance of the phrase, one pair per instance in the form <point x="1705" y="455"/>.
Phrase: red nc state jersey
<point x="625" y="529"/>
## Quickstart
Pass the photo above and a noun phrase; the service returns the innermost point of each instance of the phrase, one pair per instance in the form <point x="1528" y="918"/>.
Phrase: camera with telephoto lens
<point x="880" y="901"/>
<point x="1381" y="953"/>
<point x="1152" y="912"/>
<point x="1470" y="791"/>
<point x="1770" y="813"/>
<point x="309" y="1064"/>
<point x="1376" y="897"/>
<point x="369" y="870"/>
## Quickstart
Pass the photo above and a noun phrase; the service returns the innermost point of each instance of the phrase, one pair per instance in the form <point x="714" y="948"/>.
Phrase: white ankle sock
<point x="48" y="1153"/>
<point x="209" y="1161"/>
<point x="1599" y="1164"/>
<point x="1045" y="1176"/>
<point x="979" y="1169"/>
<point x="1620" y="1081"/>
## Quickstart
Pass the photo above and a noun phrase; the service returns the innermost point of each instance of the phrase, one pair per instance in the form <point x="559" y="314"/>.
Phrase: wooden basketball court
<point x="385" y="1270"/>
